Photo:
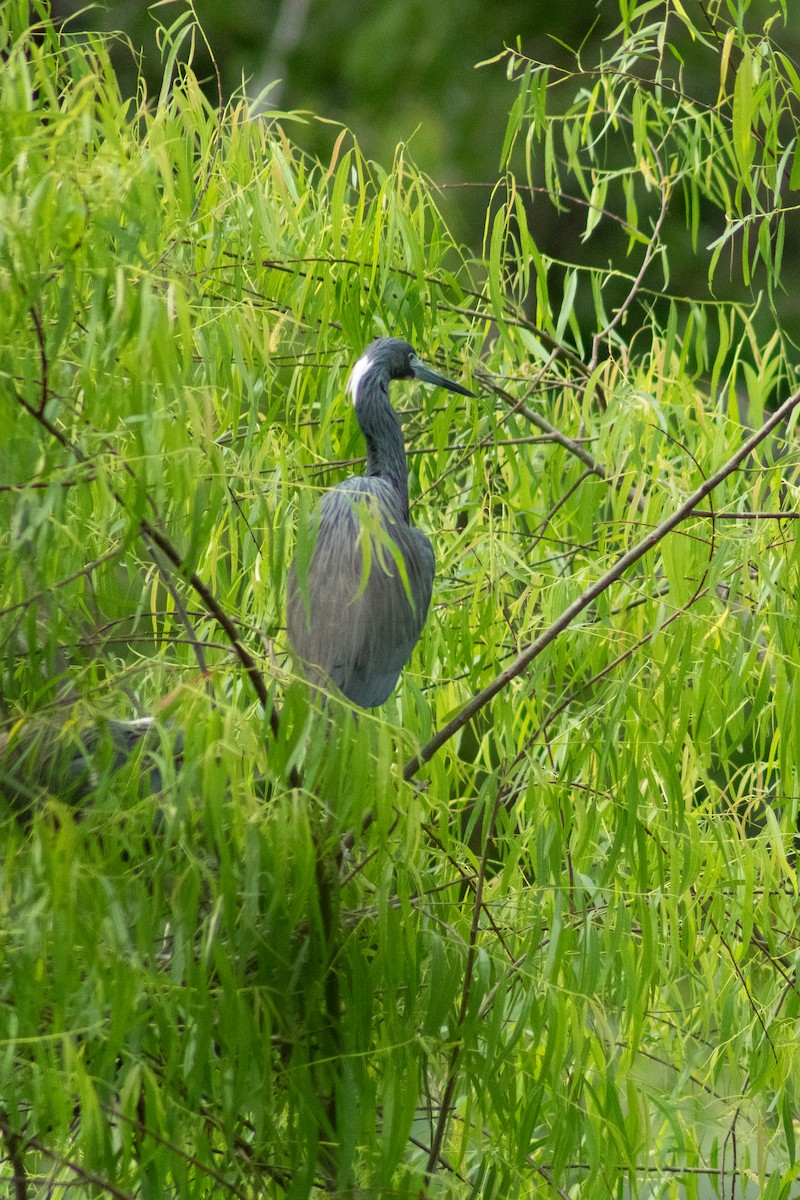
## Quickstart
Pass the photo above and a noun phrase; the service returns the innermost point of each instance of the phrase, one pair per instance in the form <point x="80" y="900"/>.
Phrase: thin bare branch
<point x="652" y="246"/>
<point x="180" y="608"/>
<point x="88" y="1177"/>
<point x="455" y="1054"/>
<point x="15" y="1145"/>
<point x="43" y="385"/>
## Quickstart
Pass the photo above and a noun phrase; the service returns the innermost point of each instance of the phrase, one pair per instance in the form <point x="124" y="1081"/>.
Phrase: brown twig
<point x="15" y="1144"/>
<point x="213" y="606"/>
<point x="455" y="1054"/>
<point x="43" y="386"/>
<point x="86" y="1176"/>
<point x="180" y="608"/>
<point x="572" y="445"/>
<point x="553" y="434"/>
<point x="86" y="570"/>
<point x="562" y="500"/>
<point x="750" y="515"/>
<point x="652" y="246"/>
<point x="144" y="1130"/>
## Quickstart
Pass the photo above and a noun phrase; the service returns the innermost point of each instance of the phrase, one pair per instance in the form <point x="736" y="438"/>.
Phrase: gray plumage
<point x="355" y="613"/>
<point x="71" y="761"/>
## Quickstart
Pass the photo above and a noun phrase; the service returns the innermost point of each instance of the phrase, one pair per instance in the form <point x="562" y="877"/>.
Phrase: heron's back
<point x="359" y="611"/>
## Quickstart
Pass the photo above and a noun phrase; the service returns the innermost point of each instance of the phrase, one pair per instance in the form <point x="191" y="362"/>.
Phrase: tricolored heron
<point x="355" y="612"/>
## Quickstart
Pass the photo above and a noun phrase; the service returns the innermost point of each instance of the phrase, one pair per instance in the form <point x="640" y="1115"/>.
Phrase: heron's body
<point x="363" y="625"/>
<point x="71" y="760"/>
<point x="356" y="612"/>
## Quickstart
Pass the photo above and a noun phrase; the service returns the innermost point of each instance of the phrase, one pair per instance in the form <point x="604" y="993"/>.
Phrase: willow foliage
<point x="531" y="929"/>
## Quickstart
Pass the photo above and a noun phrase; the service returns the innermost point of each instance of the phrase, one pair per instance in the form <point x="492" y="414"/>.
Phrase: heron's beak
<point x="426" y="375"/>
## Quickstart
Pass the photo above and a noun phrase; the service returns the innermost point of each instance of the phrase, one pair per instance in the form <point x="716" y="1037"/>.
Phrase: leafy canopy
<point x="532" y="927"/>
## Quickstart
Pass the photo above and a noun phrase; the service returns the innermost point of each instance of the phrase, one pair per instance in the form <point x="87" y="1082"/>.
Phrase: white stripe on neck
<point x="357" y="374"/>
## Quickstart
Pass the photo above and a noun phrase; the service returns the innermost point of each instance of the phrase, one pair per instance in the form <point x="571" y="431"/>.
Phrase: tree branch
<point x="652" y="245"/>
<point x="150" y="532"/>
<point x="458" y="1044"/>
<point x="16" y="1147"/>
<point x="611" y="576"/>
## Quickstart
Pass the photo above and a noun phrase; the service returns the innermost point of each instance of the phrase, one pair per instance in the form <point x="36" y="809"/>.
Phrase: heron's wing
<point x="359" y="611"/>
<point x="388" y="623"/>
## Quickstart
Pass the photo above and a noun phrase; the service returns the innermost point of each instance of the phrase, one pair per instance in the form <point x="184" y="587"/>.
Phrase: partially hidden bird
<point x="358" y="597"/>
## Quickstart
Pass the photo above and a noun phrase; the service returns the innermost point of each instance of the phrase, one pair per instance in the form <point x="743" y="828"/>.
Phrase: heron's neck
<point x="386" y="454"/>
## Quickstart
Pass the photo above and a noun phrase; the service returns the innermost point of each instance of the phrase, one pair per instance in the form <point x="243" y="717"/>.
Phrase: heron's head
<point x="392" y="358"/>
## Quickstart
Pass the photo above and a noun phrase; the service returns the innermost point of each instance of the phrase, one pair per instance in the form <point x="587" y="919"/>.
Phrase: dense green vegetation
<point x="422" y="74"/>
<point x="531" y="928"/>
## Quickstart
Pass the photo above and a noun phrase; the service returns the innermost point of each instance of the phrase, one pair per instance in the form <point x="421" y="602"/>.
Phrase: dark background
<point x="407" y="71"/>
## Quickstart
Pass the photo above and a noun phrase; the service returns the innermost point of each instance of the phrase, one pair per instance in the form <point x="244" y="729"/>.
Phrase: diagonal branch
<point x="569" y="444"/>
<point x="150" y="533"/>
<point x="611" y="576"/>
<point x="542" y="423"/>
